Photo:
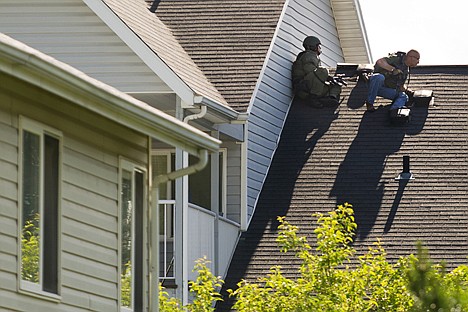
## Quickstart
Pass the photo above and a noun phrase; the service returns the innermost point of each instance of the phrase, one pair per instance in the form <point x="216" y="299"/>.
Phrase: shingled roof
<point x="228" y="40"/>
<point x="159" y="37"/>
<point x="332" y="155"/>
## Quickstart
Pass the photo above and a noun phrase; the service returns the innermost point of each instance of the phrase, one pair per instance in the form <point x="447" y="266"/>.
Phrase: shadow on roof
<point x="359" y="178"/>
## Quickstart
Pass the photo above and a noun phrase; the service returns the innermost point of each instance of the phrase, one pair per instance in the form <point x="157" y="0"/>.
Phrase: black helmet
<point x="311" y="41"/>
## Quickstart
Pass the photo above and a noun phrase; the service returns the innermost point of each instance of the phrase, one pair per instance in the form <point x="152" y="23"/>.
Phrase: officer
<point x="390" y="74"/>
<point x="310" y="80"/>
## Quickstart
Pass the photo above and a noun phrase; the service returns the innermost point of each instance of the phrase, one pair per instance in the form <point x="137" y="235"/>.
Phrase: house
<point x="343" y="154"/>
<point x="77" y="213"/>
<point x="221" y="66"/>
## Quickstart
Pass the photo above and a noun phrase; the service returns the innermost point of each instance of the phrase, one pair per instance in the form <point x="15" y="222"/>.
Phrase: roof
<point x="28" y="64"/>
<point x="228" y="40"/>
<point x="157" y="36"/>
<point x="326" y="157"/>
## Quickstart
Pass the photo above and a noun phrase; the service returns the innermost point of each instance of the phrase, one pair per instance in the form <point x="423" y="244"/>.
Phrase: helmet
<point x="311" y="41"/>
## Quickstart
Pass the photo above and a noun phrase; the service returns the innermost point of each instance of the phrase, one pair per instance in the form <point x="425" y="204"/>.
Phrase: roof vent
<point x="421" y="98"/>
<point x="406" y="173"/>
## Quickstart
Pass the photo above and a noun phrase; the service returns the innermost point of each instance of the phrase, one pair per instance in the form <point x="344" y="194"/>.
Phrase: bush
<point x="328" y="283"/>
<point x="204" y="290"/>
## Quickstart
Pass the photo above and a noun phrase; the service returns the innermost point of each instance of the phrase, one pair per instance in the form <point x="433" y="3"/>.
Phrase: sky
<point x="437" y="29"/>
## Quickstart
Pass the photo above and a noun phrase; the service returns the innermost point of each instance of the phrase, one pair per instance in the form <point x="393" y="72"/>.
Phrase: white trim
<point x="132" y="167"/>
<point x="224" y="152"/>
<point x="148" y="56"/>
<point x="45" y="72"/>
<point x="244" y="222"/>
<point x="267" y="57"/>
<point x="364" y="31"/>
<point x="39" y="129"/>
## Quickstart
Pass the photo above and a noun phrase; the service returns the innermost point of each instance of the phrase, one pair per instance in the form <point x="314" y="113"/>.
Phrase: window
<point x="200" y="191"/>
<point x="200" y="183"/>
<point x="132" y="190"/>
<point x="39" y="214"/>
<point x="162" y="163"/>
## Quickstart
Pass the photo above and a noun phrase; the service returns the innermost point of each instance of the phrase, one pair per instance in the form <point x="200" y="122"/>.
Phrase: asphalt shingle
<point x="329" y="156"/>
<point x="228" y="40"/>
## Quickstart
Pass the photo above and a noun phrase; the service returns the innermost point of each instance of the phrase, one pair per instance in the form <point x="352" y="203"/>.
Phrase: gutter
<point x="199" y="115"/>
<point x="45" y="72"/>
<point x="216" y="106"/>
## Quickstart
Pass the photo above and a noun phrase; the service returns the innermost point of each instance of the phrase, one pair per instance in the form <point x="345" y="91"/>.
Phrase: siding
<point x="89" y="199"/>
<point x="233" y="188"/>
<point x="70" y="32"/>
<point x="273" y="95"/>
<point x="159" y="38"/>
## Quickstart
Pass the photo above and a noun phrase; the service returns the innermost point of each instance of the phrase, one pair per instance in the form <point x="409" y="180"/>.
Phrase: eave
<point x="45" y="72"/>
<point x="351" y="31"/>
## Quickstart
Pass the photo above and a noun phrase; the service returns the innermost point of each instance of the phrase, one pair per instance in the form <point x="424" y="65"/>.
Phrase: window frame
<point x="42" y="131"/>
<point x="169" y="153"/>
<point x="130" y="166"/>
<point x="223" y="181"/>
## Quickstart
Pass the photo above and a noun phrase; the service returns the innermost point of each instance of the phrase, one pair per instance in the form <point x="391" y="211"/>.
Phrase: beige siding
<point x="89" y="199"/>
<point x="233" y="192"/>
<point x="8" y="203"/>
<point x="69" y="31"/>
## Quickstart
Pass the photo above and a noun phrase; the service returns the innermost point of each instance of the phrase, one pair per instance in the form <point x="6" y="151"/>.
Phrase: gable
<point x="72" y="33"/>
<point x="161" y="41"/>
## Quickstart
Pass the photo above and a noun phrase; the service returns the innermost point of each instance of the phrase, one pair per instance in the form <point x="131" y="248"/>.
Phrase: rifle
<point x="350" y="71"/>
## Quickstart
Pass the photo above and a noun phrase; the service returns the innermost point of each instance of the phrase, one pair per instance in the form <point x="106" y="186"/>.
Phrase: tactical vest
<point x="397" y="60"/>
<point x="312" y="82"/>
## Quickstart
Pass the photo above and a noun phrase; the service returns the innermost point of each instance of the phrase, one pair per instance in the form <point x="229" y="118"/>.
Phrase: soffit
<point x="351" y="31"/>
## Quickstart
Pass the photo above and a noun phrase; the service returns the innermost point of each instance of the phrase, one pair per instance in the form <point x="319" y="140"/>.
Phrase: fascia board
<point x="45" y="72"/>
<point x="223" y="110"/>
<point x="363" y="29"/>
<point x="148" y="56"/>
<point x="352" y="16"/>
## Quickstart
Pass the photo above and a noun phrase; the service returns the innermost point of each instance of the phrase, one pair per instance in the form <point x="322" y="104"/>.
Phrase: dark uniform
<point x="310" y="79"/>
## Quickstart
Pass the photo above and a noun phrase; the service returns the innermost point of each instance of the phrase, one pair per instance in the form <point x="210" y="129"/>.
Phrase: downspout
<point x="203" y="160"/>
<point x="154" y="227"/>
<point x="185" y="211"/>
<point x="199" y="115"/>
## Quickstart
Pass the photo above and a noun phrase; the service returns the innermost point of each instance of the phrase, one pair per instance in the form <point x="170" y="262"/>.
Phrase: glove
<point x="396" y="72"/>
